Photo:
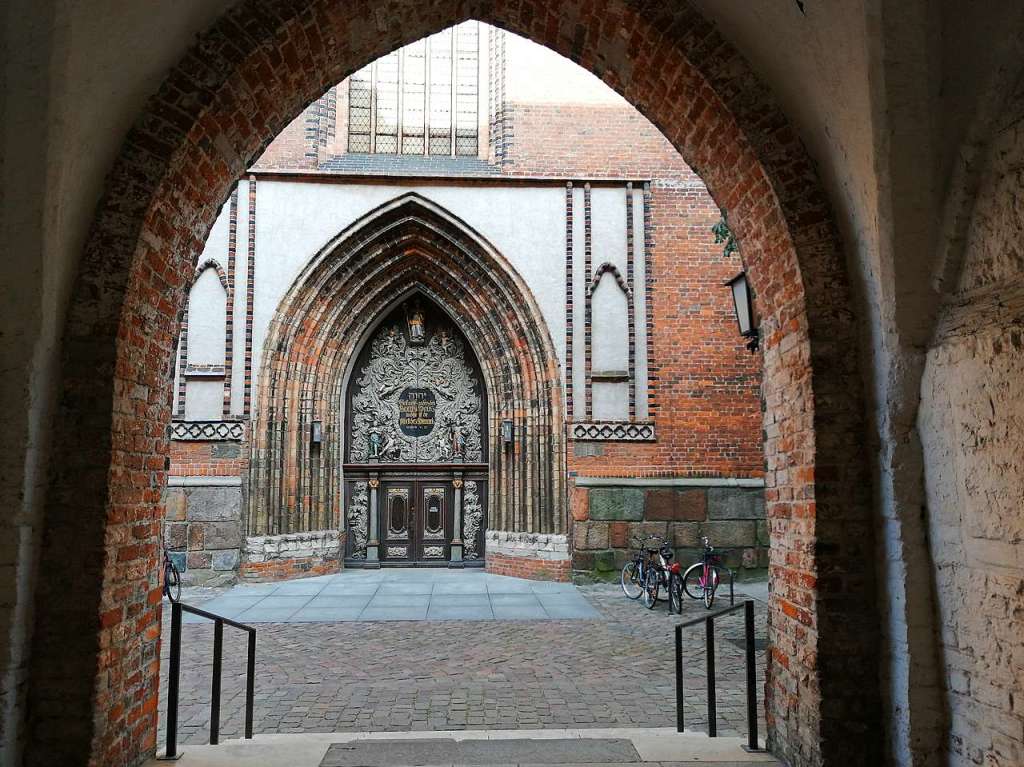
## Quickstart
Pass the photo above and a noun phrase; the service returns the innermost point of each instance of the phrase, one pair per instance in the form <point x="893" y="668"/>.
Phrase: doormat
<point x="445" y="751"/>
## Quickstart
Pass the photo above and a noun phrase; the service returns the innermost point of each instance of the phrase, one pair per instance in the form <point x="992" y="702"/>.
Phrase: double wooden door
<point x="416" y="518"/>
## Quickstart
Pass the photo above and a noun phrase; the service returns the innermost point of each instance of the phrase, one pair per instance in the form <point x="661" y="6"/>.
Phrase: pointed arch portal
<point x="350" y="349"/>
<point x="241" y="83"/>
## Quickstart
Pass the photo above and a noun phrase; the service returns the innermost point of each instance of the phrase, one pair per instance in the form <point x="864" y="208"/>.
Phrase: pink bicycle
<point x="701" y="580"/>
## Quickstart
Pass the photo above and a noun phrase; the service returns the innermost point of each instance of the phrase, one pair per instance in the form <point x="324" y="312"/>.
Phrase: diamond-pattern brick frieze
<point x="96" y="610"/>
<point x="208" y="431"/>
<point x="618" y="431"/>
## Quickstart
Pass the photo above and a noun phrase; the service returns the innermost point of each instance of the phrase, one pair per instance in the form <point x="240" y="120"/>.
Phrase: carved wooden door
<point x="434" y="520"/>
<point x="397" y="523"/>
<point x="415" y="521"/>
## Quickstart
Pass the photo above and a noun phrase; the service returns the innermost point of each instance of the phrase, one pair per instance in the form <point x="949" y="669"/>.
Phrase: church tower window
<point x="421" y="99"/>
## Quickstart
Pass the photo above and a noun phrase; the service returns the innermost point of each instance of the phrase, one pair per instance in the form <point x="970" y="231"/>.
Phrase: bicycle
<point x="172" y="579"/>
<point x="701" y="579"/>
<point x="634" y="573"/>
<point x="675" y="588"/>
<point x="659" y="574"/>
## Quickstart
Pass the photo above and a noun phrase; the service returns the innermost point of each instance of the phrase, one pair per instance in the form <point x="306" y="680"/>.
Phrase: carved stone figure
<point x="390" y="450"/>
<point x="417" y="332"/>
<point x="458" y="441"/>
<point x="444" y="447"/>
<point x="375" y="444"/>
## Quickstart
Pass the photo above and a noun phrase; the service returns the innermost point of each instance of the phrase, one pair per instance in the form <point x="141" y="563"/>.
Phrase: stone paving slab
<point x="561" y="751"/>
<point x="431" y="673"/>
<point x="393" y="594"/>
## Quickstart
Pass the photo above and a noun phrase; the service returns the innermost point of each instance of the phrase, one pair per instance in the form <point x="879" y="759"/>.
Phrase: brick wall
<point x="526" y="567"/>
<point x="293" y="555"/>
<point x="706" y="385"/>
<point x="308" y="138"/>
<point x="208" y="459"/>
<point x="586" y="140"/>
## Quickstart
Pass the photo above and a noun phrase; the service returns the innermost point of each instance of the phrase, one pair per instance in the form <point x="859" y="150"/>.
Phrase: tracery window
<point x="415" y="100"/>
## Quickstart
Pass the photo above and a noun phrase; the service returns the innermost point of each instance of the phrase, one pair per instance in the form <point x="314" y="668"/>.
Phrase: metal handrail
<point x="709" y="654"/>
<point x="174" y="676"/>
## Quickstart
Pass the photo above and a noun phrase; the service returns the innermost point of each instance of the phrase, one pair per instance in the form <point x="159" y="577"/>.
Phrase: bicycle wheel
<point x="710" y="586"/>
<point x="709" y="590"/>
<point x="630" y="580"/>
<point x="172" y="582"/>
<point x="692" y="584"/>
<point x="651" y="584"/>
<point x="675" y="594"/>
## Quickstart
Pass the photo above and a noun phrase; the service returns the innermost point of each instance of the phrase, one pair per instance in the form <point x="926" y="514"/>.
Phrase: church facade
<point x="459" y="316"/>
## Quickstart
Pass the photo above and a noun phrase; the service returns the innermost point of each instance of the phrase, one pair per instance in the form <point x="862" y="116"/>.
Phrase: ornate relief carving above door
<point x="416" y="397"/>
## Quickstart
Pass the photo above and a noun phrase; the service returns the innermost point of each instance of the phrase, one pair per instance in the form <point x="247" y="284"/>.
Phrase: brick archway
<point x="94" y="665"/>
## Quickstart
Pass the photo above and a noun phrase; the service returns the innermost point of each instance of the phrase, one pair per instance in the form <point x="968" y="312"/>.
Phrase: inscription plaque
<point x="416" y="408"/>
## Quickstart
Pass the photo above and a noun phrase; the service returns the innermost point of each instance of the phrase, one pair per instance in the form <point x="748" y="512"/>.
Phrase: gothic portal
<point x="415" y="450"/>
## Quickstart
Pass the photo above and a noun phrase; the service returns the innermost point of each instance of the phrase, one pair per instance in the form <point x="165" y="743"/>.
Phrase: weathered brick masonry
<point x="94" y="664"/>
<point x="704" y="385"/>
<point x="207" y="459"/>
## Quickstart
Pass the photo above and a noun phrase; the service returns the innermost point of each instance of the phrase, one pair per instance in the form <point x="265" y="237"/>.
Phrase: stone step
<point x="654" y="747"/>
<point x="385" y="753"/>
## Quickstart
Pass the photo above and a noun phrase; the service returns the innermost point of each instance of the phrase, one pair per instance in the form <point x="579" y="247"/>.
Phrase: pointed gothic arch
<point x="241" y="83"/>
<point x="409" y="245"/>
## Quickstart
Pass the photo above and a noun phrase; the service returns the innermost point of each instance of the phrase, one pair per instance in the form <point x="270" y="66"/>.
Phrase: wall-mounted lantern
<point x="744" y="308"/>
<point x="507" y="431"/>
<point x="316" y="432"/>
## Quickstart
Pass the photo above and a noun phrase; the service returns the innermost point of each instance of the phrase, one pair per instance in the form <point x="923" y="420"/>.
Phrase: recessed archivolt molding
<point x="609" y="268"/>
<point x="406" y="246"/>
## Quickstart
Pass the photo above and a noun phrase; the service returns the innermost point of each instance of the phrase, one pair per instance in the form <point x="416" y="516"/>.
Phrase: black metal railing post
<point x="173" y="679"/>
<point x="218" y="651"/>
<point x="709" y="649"/>
<point x="679" y="678"/>
<point x="752" y="741"/>
<point x="250" y="681"/>
<point x="174" y="673"/>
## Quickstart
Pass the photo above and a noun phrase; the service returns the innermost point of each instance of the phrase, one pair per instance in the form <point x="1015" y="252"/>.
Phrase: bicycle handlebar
<point x="638" y="539"/>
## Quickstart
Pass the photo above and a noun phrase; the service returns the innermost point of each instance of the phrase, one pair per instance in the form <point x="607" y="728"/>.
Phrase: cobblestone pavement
<point x="446" y="675"/>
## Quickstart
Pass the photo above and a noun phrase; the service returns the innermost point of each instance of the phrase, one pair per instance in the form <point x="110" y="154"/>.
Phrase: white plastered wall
<point x="294" y="220"/>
